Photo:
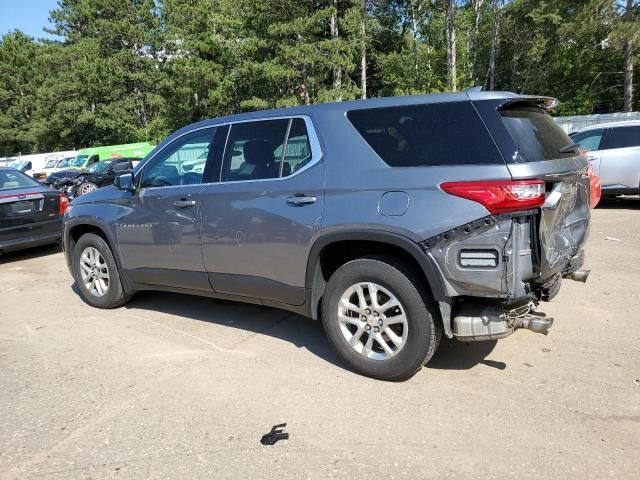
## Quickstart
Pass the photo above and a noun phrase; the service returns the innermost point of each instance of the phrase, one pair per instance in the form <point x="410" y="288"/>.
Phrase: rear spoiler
<point x="546" y="103"/>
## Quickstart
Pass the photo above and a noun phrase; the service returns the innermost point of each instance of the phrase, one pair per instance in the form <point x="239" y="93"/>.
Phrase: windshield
<point x="15" y="179"/>
<point x="98" y="167"/>
<point x="51" y="163"/>
<point x="66" y="162"/>
<point x="78" y="161"/>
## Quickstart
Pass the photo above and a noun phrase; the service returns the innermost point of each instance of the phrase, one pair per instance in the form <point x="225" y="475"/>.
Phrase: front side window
<point x="180" y="163"/>
<point x="121" y="166"/>
<point x="589" y="140"/>
<point x="98" y="167"/>
<point x="623" y="137"/>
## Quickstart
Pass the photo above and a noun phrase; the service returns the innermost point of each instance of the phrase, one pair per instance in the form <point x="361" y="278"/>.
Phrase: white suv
<point x="614" y="152"/>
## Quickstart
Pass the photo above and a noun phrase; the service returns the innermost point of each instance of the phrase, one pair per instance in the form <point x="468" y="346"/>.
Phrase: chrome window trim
<point x="314" y="143"/>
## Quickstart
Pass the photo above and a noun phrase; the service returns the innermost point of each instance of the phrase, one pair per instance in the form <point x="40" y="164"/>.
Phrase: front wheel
<point x="96" y="273"/>
<point x="378" y="318"/>
<point x="86" y="187"/>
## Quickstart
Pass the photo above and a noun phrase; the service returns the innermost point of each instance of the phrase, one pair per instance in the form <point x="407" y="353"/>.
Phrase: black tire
<point x="424" y="326"/>
<point x="115" y="295"/>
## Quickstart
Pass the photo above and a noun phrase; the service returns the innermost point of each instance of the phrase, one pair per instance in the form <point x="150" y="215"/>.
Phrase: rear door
<point x="260" y="220"/>
<point x="592" y="141"/>
<point x="620" y="161"/>
<point x="535" y="148"/>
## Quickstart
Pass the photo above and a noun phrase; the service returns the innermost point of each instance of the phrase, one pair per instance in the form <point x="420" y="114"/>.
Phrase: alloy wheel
<point x="94" y="272"/>
<point x="372" y="321"/>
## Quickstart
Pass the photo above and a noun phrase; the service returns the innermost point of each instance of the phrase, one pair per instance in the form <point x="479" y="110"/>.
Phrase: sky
<point x="30" y="16"/>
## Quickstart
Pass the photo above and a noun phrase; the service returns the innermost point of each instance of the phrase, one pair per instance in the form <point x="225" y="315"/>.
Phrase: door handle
<point x="301" y="199"/>
<point x="184" y="203"/>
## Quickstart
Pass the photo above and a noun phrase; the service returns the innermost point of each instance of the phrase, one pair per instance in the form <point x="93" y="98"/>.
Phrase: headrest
<point x="258" y="152"/>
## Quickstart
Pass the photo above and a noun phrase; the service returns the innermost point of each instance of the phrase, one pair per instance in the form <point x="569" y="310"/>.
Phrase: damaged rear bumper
<point x="500" y="266"/>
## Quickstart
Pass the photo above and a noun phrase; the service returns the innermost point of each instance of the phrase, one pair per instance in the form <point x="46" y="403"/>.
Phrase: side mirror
<point x="125" y="181"/>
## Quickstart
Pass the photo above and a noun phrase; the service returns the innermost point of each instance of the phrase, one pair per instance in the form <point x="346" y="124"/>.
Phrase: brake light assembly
<point x="500" y="196"/>
<point x="64" y="204"/>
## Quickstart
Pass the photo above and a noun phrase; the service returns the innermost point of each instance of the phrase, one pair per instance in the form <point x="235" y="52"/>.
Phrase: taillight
<point x="595" y="187"/>
<point x="500" y="196"/>
<point x="64" y="204"/>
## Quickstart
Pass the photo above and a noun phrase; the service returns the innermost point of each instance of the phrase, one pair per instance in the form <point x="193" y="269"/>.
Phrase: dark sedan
<point x="76" y="182"/>
<point x="30" y="213"/>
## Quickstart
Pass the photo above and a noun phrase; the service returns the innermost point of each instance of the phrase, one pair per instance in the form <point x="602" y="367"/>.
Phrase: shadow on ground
<point x="30" y="253"/>
<point x="620" y="203"/>
<point x="298" y="330"/>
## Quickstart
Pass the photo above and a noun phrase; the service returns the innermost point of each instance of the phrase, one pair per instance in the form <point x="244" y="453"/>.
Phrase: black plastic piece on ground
<point x="274" y="435"/>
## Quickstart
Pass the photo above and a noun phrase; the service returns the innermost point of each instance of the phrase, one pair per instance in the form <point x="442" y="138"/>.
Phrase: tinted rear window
<point x="15" y="179"/>
<point x="537" y="135"/>
<point x="426" y="135"/>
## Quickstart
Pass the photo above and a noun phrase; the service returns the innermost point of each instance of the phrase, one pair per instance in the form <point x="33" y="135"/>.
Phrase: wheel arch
<point x="342" y="245"/>
<point x="75" y="228"/>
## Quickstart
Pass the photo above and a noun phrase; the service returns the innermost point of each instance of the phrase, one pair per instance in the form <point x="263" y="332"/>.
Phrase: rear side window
<point x="426" y="135"/>
<point x="537" y="135"/>
<point x="622" y="137"/>
<point x="589" y="140"/>
<point x="297" y="150"/>
<point x="250" y="152"/>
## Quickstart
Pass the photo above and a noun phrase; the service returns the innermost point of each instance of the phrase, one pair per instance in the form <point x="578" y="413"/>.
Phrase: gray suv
<point x="393" y="220"/>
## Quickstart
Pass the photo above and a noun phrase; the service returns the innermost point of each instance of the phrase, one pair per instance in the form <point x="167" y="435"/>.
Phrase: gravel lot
<point x="173" y="386"/>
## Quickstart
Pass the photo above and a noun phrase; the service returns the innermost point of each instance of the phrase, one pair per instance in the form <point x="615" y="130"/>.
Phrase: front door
<point x="592" y="141"/>
<point x="159" y="230"/>
<point x="260" y="221"/>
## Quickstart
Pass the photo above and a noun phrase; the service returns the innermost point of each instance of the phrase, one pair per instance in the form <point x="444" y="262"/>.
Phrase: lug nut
<point x="376" y="314"/>
<point x="380" y="322"/>
<point x="363" y="318"/>
<point x="367" y="311"/>
<point x="376" y="329"/>
<point x="368" y="327"/>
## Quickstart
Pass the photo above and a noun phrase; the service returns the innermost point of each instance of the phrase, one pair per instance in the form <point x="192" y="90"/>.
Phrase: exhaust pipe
<point x="578" y="275"/>
<point x="535" y="324"/>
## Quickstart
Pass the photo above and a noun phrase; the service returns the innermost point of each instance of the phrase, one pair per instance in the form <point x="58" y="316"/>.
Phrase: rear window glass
<point x="15" y="179"/>
<point x="426" y="135"/>
<point x="537" y="135"/>
<point x="623" y="137"/>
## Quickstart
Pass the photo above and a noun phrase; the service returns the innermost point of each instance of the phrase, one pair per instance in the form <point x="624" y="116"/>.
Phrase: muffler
<point x="578" y="275"/>
<point x="476" y="320"/>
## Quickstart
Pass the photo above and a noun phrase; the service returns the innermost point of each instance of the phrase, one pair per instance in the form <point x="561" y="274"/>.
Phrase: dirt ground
<point x="172" y="386"/>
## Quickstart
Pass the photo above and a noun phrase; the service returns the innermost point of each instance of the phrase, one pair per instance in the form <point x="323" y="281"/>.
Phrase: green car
<point x="88" y="156"/>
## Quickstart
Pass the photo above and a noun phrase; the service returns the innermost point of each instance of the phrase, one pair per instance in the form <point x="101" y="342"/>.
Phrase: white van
<point x="54" y="162"/>
<point x="29" y="163"/>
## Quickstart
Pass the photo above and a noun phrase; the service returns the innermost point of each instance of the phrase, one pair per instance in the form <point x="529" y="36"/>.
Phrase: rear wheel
<point x="96" y="273"/>
<point x="378" y="319"/>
